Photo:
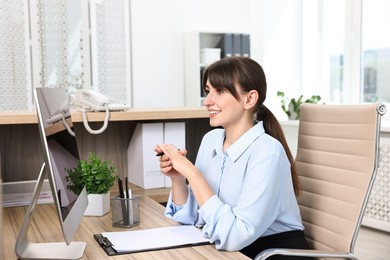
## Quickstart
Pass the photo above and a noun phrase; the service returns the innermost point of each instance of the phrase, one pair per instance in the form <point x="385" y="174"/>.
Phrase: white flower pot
<point x="98" y="204"/>
<point x="293" y="115"/>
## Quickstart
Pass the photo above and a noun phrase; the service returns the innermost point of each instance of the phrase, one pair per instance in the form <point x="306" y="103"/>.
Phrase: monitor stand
<point x="57" y="250"/>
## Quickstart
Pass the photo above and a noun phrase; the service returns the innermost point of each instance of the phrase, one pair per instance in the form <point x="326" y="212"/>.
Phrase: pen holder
<point x="125" y="212"/>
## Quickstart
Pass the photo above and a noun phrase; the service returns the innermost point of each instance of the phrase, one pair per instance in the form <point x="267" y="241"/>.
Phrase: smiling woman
<point x="243" y="168"/>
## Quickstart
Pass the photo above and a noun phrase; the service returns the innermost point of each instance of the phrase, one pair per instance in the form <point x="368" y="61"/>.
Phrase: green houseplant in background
<point x="98" y="177"/>
<point x="292" y="107"/>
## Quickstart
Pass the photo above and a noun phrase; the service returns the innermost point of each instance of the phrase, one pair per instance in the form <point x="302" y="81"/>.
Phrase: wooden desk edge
<point x="30" y="117"/>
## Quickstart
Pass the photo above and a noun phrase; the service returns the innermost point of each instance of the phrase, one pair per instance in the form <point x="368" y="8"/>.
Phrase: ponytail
<point x="273" y="128"/>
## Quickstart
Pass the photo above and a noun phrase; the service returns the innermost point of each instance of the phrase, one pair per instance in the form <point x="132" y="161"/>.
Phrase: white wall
<point x="158" y="29"/>
<point x="281" y="50"/>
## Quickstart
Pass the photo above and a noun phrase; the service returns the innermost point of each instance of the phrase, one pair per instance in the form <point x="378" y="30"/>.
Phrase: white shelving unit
<point x="193" y="42"/>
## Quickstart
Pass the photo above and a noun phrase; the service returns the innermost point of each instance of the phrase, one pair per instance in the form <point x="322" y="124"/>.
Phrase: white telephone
<point x="95" y="101"/>
<point x="89" y="100"/>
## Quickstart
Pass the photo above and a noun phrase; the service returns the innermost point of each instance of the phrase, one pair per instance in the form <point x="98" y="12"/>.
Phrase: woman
<point x="242" y="188"/>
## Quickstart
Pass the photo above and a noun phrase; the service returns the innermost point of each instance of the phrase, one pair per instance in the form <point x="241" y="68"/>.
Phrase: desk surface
<point x="30" y="117"/>
<point x="46" y="228"/>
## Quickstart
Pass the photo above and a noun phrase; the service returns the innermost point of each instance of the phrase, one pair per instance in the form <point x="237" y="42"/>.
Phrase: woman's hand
<point x="165" y="161"/>
<point x="179" y="186"/>
<point x="174" y="164"/>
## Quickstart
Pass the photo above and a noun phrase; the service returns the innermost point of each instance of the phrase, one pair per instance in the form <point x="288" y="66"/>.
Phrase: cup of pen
<point x="125" y="211"/>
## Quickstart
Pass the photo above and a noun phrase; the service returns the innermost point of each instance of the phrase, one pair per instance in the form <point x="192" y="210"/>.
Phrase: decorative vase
<point x="98" y="204"/>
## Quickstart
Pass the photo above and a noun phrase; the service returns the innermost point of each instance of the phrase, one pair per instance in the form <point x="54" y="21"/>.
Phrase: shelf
<point x="30" y="117"/>
<point x="194" y="42"/>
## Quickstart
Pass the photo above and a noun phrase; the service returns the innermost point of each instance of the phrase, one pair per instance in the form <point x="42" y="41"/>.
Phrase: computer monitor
<point x="60" y="153"/>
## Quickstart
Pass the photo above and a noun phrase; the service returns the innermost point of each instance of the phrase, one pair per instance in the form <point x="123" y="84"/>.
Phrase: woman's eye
<point x="220" y="92"/>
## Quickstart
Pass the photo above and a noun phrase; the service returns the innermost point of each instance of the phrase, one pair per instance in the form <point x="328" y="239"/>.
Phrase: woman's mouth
<point x="214" y="112"/>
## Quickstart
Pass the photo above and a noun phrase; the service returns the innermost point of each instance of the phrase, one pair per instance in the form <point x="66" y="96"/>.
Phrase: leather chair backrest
<point x="336" y="159"/>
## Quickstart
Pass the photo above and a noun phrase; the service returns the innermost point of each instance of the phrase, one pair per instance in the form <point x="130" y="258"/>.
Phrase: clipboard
<point x="139" y="240"/>
<point x="106" y="245"/>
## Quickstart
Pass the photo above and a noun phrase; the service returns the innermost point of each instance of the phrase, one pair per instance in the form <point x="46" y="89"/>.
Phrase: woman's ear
<point x="251" y="99"/>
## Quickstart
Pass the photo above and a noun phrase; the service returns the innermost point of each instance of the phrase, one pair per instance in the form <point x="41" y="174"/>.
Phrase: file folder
<point x="226" y="45"/>
<point x="245" y="45"/>
<point x="237" y="44"/>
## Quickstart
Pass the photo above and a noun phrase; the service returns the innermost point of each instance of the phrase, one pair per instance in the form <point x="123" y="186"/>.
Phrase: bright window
<point x="323" y="49"/>
<point x="375" y="51"/>
<point x="346" y="50"/>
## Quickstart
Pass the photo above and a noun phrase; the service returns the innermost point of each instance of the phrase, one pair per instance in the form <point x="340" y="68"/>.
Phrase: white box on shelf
<point x="143" y="165"/>
<point x="174" y="133"/>
<point x="209" y="55"/>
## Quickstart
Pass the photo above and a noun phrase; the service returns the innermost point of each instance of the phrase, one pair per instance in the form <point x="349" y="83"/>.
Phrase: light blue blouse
<point x="254" y="195"/>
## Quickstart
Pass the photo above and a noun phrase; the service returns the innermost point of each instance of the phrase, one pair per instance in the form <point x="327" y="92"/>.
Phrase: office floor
<point x="372" y="244"/>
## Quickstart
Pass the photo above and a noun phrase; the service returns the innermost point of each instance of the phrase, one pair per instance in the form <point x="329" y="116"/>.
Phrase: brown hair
<point x="226" y="73"/>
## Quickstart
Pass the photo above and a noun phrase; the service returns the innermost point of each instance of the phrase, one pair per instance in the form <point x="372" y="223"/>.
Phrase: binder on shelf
<point x="245" y="45"/>
<point x="226" y="45"/>
<point x="237" y="44"/>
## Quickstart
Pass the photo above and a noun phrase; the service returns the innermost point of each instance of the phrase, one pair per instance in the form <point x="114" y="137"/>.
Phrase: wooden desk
<point x="45" y="227"/>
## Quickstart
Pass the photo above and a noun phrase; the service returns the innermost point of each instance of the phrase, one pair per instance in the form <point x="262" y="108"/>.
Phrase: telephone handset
<point x="89" y="100"/>
<point x="95" y="101"/>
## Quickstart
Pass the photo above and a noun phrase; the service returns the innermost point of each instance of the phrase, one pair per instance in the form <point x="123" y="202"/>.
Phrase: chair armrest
<point x="303" y="252"/>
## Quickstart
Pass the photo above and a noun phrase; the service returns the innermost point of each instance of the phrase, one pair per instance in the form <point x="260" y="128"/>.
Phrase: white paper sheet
<point x="156" y="238"/>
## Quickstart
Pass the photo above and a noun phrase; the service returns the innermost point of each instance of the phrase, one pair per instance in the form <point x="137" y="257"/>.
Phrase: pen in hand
<point x="162" y="153"/>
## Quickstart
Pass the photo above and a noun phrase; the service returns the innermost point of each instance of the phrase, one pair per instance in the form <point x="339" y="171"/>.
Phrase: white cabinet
<point x="194" y="42"/>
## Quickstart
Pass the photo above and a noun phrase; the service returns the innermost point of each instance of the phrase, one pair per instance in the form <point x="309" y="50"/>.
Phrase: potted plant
<point x="292" y="107"/>
<point x="98" y="177"/>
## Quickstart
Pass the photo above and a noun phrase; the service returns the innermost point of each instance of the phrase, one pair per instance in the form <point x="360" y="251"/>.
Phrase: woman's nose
<point x="207" y="100"/>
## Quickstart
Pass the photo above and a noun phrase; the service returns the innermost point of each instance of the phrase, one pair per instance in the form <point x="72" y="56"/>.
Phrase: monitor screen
<point x="61" y="153"/>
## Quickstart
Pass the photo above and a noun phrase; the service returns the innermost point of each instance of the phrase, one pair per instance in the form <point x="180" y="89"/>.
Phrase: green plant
<point x="97" y="176"/>
<point x="292" y="107"/>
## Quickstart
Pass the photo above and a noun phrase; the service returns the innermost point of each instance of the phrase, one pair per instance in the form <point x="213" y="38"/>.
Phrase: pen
<point x="120" y="186"/>
<point x="129" y="203"/>
<point x="123" y="204"/>
<point x="127" y="188"/>
<point x="162" y="153"/>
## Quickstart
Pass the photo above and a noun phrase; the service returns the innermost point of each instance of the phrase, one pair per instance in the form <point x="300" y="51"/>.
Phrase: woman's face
<point x="224" y="109"/>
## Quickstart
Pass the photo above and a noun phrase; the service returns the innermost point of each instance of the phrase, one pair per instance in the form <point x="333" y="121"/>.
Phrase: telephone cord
<point x="105" y="124"/>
